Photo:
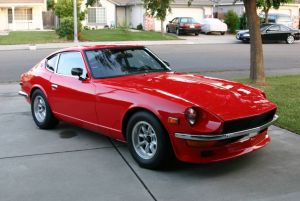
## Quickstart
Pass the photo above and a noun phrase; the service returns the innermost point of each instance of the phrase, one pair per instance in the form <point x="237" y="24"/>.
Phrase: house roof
<point x="177" y="2"/>
<point x="20" y="1"/>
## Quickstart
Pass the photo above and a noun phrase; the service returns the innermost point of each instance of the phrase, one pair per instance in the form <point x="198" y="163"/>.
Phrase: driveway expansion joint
<point x="52" y="153"/>
<point x="133" y="171"/>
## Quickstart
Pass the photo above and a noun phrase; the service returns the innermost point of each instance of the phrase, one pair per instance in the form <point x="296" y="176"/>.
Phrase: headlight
<point x="246" y="35"/>
<point x="191" y="115"/>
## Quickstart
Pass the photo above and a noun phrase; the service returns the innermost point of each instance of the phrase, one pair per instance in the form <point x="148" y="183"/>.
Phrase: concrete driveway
<point x="69" y="163"/>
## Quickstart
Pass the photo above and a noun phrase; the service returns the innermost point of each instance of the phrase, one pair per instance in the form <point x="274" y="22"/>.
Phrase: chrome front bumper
<point x="22" y="93"/>
<point x="249" y="132"/>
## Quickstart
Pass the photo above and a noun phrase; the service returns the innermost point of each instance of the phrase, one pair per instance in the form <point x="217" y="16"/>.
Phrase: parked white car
<point x="209" y="25"/>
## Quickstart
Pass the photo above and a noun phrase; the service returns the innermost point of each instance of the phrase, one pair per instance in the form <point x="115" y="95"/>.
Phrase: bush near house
<point x="64" y="10"/>
<point x="232" y="21"/>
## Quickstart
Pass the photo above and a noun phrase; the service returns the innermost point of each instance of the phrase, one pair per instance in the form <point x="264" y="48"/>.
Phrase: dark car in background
<point x="183" y="25"/>
<point x="272" y="33"/>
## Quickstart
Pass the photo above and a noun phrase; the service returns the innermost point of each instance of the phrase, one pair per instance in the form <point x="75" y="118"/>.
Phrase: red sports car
<point x="129" y="94"/>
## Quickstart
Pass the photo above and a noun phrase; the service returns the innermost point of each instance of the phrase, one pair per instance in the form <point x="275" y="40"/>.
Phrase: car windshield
<point x="122" y="61"/>
<point x="188" y="20"/>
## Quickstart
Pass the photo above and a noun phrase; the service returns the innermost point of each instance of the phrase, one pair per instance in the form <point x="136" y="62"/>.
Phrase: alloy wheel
<point x="144" y="140"/>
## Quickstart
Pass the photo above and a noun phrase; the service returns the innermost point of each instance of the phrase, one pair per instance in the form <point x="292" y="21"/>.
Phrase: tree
<point x="266" y="5"/>
<point x="158" y="9"/>
<point x="50" y="4"/>
<point x="257" y="70"/>
<point x="64" y="10"/>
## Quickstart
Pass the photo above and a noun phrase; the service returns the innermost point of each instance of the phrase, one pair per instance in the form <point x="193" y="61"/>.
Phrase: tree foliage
<point x="232" y="20"/>
<point x="64" y="10"/>
<point x="266" y="5"/>
<point x="50" y="4"/>
<point x="158" y="9"/>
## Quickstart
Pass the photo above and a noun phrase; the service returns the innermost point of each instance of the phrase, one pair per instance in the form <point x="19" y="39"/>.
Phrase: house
<point x="22" y="14"/>
<point x="132" y="13"/>
<point x="292" y="9"/>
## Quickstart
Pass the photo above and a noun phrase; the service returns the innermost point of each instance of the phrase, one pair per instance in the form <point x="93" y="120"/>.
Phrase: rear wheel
<point x="223" y="33"/>
<point x="197" y="33"/>
<point x="167" y="29"/>
<point x="290" y="39"/>
<point x="148" y="141"/>
<point x="41" y="112"/>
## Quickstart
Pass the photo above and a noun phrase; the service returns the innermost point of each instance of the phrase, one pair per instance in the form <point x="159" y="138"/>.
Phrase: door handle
<point x="54" y="86"/>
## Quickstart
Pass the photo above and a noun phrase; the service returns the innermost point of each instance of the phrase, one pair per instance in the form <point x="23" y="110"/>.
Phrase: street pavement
<point x="70" y="163"/>
<point x="228" y="61"/>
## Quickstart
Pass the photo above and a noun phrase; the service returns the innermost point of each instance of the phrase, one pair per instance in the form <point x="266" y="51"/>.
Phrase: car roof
<point x="93" y="47"/>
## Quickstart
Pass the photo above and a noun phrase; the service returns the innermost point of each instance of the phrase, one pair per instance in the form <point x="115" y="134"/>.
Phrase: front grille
<point x="248" y="123"/>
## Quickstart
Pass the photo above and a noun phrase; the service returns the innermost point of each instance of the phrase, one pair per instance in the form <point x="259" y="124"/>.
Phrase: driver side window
<point x="274" y="28"/>
<point x="69" y="60"/>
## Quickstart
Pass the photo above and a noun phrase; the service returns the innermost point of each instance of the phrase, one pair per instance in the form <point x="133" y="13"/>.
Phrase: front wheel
<point x="148" y="141"/>
<point x="197" y="33"/>
<point x="290" y="39"/>
<point x="223" y="33"/>
<point x="41" y="112"/>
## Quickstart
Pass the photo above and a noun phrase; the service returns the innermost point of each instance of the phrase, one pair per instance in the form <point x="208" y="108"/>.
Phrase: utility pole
<point x="75" y="22"/>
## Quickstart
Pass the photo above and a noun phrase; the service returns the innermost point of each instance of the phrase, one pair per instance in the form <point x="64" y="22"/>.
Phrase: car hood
<point x="228" y="100"/>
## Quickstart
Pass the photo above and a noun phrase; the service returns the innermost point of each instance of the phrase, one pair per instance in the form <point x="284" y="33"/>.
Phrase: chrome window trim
<point x="249" y="132"/>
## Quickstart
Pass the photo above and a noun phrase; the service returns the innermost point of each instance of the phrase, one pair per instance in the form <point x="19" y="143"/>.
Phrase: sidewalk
<point x="186" y="40"/>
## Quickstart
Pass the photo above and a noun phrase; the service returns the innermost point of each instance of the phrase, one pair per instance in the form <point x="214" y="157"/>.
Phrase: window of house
<point x="97" y="15"/>
<point x="9" y="14"/>
<point x="20" y="14"/>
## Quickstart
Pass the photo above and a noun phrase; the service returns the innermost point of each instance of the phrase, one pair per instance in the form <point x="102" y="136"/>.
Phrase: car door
<point x="174" y="24"/>
<point x="70" y="97"/>
<point x="272" y="33"/>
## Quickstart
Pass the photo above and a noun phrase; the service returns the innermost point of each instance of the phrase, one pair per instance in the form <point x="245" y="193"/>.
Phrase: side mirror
<point x="167" y="63"/>
<point x="170" y="21"/>
<point x="77" y="72"/>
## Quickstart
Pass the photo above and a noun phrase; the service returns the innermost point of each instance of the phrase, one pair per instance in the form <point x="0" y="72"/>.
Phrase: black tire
<point x="223" y="33"/>
<point x="49" y="121"/>
<point x="167" y="29"/>
<point x="178" y="32"/>
<point x="290" y="39"/>
<point x="163" y="153"/>
<point x="197" y="34"/>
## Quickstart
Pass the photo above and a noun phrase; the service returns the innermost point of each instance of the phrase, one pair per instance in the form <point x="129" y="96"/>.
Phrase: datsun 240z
<point x="131" y="95"/>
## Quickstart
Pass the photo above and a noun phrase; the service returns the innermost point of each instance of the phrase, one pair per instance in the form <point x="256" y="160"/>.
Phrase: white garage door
<point x="196" y="13"/>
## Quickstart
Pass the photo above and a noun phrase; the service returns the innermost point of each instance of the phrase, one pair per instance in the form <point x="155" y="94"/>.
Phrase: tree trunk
<point x="162" y="27"/>
<point x="266" y="11"/>
<point x="257" y="71"/>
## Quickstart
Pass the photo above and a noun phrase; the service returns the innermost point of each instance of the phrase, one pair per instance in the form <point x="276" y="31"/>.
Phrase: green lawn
<point x="285" y="92"/>
<point x="36" y="37"/>
<point x="121" y="35"/>
<point x="29" y="37"/>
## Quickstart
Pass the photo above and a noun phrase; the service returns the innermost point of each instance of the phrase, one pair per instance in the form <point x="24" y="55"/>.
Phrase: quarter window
<point x="51" y="62"/>
<point x="69" y="60"/>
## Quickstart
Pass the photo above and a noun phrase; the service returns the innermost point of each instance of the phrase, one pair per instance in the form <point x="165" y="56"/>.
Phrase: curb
<point x="145" y="43"/>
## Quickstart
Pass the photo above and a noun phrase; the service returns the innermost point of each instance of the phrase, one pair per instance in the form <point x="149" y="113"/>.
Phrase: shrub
<point x="232" y="21"/>
<point x="139" y="27"/>
<point x="243" y="22"/>
<point x="66" y="28"/>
